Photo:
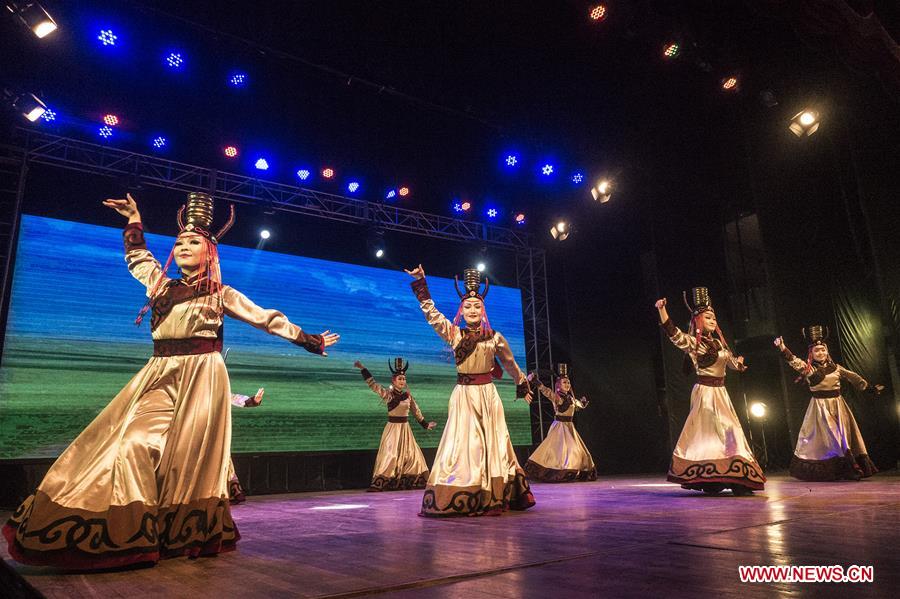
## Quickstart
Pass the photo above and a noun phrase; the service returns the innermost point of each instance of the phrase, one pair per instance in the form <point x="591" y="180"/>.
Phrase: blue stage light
<point x="512" y="160"/>
<point x="492" y="213"/>
<point x="105" y="132"/>
<point x="353" y="186"/>
<point x="262" y="164"/>
<point x="159" y="142"/>
<point x="457" y="207"/>
<point x="49" y="115"/>
<point x="237" y="79"/>
<point x="174" y="60"/>
<point x="303" y="174"/>
<point x="577" y="178"/>
<point x="391" y="194"/>
<point x="107" y="37"/>
<point x="547" y="170"/>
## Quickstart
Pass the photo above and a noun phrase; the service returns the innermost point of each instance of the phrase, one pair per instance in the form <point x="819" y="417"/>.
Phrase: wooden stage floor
<point x="617" y="537"/>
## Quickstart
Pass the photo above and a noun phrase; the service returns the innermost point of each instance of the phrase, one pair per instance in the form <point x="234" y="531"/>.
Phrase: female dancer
<point x="562" y="456"/>
<point x="399" y="464"/>
<point x="147" y="479"/>
<point x="712" y="453"/>
<point x="475" y="469"/>
<point x="830" y="446"/>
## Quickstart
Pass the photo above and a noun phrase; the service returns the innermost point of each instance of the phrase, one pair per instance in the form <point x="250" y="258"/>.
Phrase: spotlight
<point x="230" y="151"/>
<point x="598" y="13"/>
<point x="520" y="218"/>
<point x="111" y="120"/>
<point x="480" y="267"/>
<point x="107" y="37"/>
<point x="547" y="170"/>
<point x="353" y="187"/>
<point x="174" y="60"/>
<point x="805" y="123"/>
<point x="730" y="84"/>
<point x="49" y="115"/>
<point x="303" y="174"/>
<point x="391" y="194"/>
<point x="466" y="206"/>
<point x="758" y="410"/>
<point x="560" y="231"/>
<point x="512" y="160"/>
<point x="457" y="207"/>
<point x="105" y="132"/>
<point x="577" y="178"/>
<point x="28" y="105"/>
<point x="33" y="16"/>
<point x="159" y="142"/>
<point x="265" y="234"/>
<point x="375" y="241"/>
<point x="327" y="172"/>
<point x="262" y="164"/>
<point x="237" y="79"/>
<point x="671" y="50"/>
<point x="602" y="191"/>
<point x="404" y="191"/>
<point x="379" y="253"/>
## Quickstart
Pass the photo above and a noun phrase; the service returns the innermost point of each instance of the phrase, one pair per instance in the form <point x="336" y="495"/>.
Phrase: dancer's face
<point x="708" y="321"/>
<point x="190" y="252"/>
<point x="472" y="309"/>
<point x="819" y="353"/>
<point x="399" y="382"/>
<point x="565" y="384"/>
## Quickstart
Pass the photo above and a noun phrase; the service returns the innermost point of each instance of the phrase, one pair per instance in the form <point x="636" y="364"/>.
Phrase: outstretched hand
<point x="879" y="389"/>
<point x="416" y="273"/>
<point x="329" y="339"/>
<point x="431" y="425"/>
<point x="358" y="364"/>
<point x="127" y="207"/>
<point x="660" y="303"/>
<point x="779" y="342"/>
<point x="528" y="398"/>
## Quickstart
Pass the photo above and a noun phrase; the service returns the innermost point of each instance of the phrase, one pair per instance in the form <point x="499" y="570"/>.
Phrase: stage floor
<point x="617" y="537"/>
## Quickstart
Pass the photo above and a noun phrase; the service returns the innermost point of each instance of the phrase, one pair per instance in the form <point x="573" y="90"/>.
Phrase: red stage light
<point x="403" y="191"/>
<point x="466" y="206"/>
<point x="111" y="120"/>
<point x="230" y="151"/>
<point x="328" y="173"/>
<point x="730" y="84"/>
<point x="598" y="13"/>
<point x="520" y="218"/>
<point x="671" y="50"/>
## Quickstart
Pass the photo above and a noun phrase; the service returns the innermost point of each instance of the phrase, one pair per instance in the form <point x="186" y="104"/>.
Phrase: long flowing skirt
<point x="147" y="479"/>
<point x="830" y="446"/>
<point x="475" y="470"/>
<point x="399" y="464"/>
<point x="561" y="457"/>
<point x="712" y="448"/>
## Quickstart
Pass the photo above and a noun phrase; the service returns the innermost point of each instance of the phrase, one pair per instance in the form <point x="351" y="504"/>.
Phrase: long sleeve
<point x="380" y="391"/>
<point x="238" y="400"/>
<point x="239" y="306"/>
<point x="505" y="355"/>
<point x="141" y="263"/>
<point x="679" y="339"/>
<point x="441" y="325"/>
<point x="733" y="363"/>
<point x="853" y="378"/>
<point x="795" y="362"/>
<point x="549" y="394"/>
<point x="581" y="403"/>
<point x="417" y="413"/>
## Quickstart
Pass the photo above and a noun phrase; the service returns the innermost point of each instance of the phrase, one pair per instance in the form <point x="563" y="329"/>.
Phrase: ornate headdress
<point x="398" y="367"/>
<point x="699" y="302"/>
<point x="472" y="283"/>
<point x="562" y="370"/>
<point x="816" y="335"/>
<point x="199" y="210"/>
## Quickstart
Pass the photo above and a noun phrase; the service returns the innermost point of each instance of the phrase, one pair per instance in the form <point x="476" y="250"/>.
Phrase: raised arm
<point x="380" y="391"/>
<point x="141" y="263"/>
<point x="505" y="355"/>
<point x="239" y="306"/>
<point x="792" y="360"/>
<point x="441" y="325"/>
<point x="685" y="343"/>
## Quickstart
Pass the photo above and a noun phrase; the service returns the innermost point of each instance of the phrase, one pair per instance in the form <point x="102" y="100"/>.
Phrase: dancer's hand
<point x="359" y="364"/>
<point x="329" y="339"/>
<point x="879" y="389"/>
<point x="431" y="425"/>
<point x="779" y="343"/>
<point x="741" y="367"/>
<point x="528" y="398"/>
<point x="660" y="303"/>
<point x="530" y="377"/>
<point x="661" y="308"/>
<point x="416" y="273"/>
<point x="127" y="208"/>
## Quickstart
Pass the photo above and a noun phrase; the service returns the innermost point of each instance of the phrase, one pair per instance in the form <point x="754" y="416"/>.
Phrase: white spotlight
<point x="265" y="234"/>
<point x="805" y="123"/>
<point x="480" y="266"/>
<point x="28" y="105"/>
<point x="758" y="410"/>
<point x="560" y="231"/>
<point x="602" y="191"/>
<point x="33" y="16"/>
<point x="379" y="253"/>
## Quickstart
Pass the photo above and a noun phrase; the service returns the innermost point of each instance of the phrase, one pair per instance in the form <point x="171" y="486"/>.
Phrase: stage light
<point x="353" y="187"/>
<point x="547" y="170"/>
<point x="262" y="164"/>
<point x="375" y="241"/>
<point x="230" y="151"/>
<point x="174" y="60"/>
<point x="391" y="194"/>
<point x="492" y="213"/>
<point x="379" y="253"/>
<point x="512" y="160"/>
<point x="265" y="234"/>
<point x="33" y="16"/>
<point x="105" y="132"/>
<point x="602" y="191"/>
<point x="303" y="174"/>
<point x="159" y="142"/>
<point x="49" y="115"/>
<point x="671" y="50"/>
<point x="466" y="206"/>
<point x="480" y="267"/>
<point x="577" y="178"/>
<point x="107" y="37"/>
<point x="28" y="105"/>
<point x="560" y="231"/>
<point x="403" y="191"/>
<point x="328" y="173"/>
<point x="237" y="79"/>
<point x="457" y="207"/>
<point x="758" y="410"/>
<point x="805" y="123"/>
<point x="598" y="13"/>
<point x="730" y="84"/>
<point x="111" y="120"/>
<point x="520" y="218"/>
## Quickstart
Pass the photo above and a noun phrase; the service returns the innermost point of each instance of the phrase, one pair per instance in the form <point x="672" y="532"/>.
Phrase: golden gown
<point x="712" y="447"/>
<point x="147" y="479"/>
<point x="562" y="456"/>
<point x="400" y="464"/>
<point x="475" y="470"/>
<point x="830" y="446"/>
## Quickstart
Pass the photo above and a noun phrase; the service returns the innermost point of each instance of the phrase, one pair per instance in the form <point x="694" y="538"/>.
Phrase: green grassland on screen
<point x="51" y="389"/>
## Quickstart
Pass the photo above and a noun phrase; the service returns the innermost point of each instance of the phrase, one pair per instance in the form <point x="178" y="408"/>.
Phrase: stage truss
<point x="36" y="147"/>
